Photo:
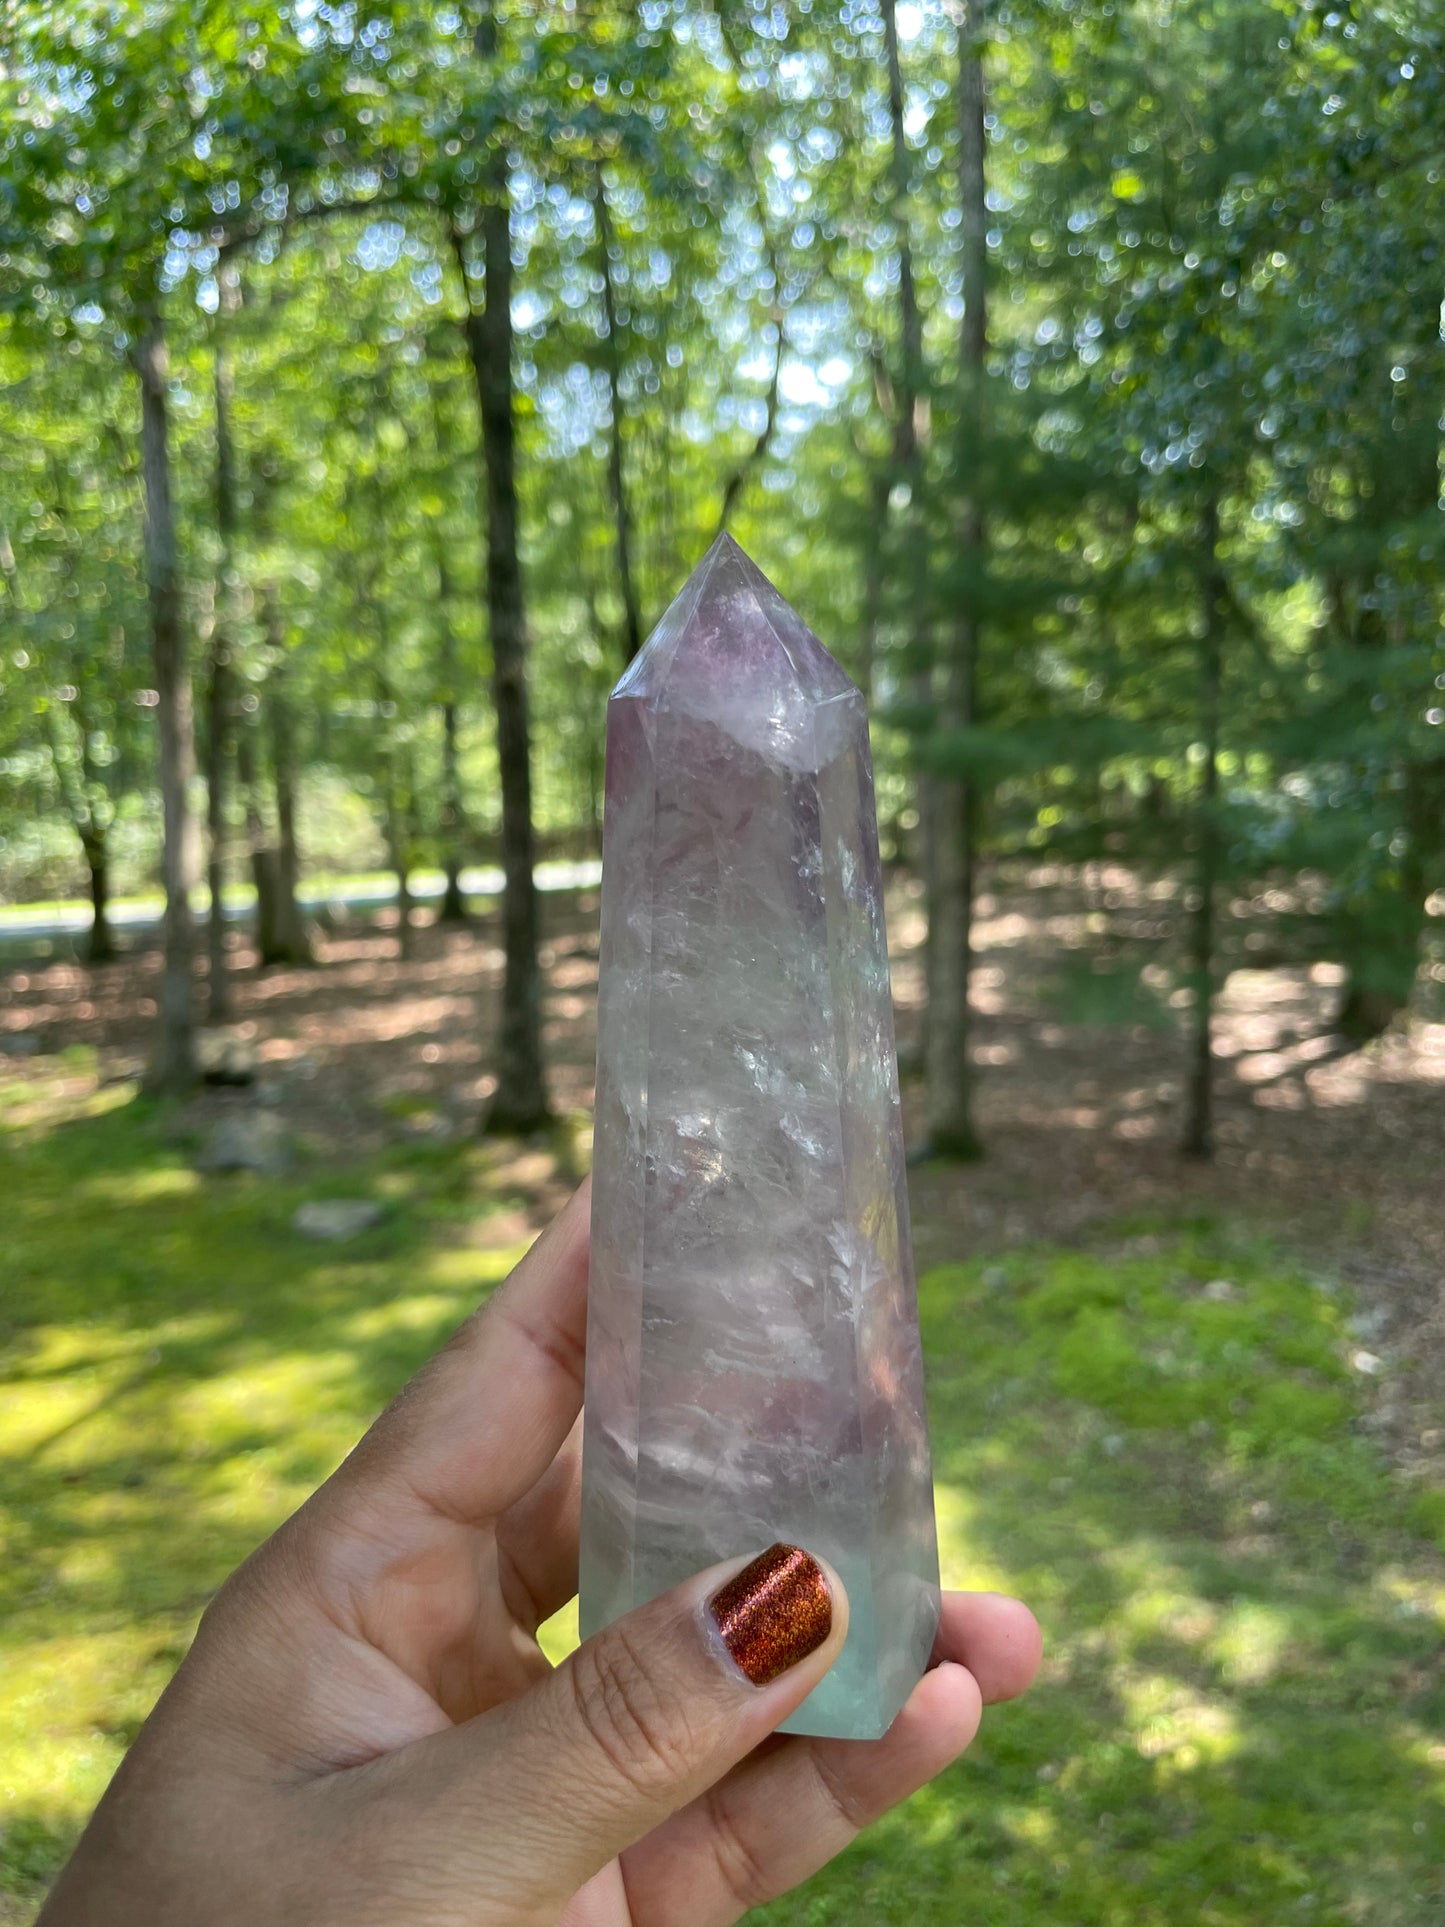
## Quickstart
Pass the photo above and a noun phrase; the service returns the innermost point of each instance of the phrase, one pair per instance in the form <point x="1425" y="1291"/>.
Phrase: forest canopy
<point x="373" y="376"/>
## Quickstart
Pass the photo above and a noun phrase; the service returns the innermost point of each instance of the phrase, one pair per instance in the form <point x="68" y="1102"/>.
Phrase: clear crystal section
<point x="753" y="1362"/>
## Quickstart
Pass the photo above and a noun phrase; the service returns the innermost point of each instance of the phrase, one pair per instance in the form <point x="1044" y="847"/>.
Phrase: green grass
<point x="1241" y="1720"/>
<point x="181" y="1370"/>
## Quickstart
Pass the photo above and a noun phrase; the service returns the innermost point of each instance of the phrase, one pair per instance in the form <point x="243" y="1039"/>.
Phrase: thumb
<point x="637" y="1722"/>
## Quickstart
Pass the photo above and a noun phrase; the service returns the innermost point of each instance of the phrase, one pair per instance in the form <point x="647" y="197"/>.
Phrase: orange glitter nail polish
<point x="774" y="1612"/>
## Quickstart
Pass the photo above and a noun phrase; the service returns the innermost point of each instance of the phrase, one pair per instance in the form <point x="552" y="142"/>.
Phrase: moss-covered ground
<point x="1241" y="1721"/>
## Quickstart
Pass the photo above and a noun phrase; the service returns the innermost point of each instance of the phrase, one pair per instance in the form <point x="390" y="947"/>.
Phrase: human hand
<point x="366" y="1730"/>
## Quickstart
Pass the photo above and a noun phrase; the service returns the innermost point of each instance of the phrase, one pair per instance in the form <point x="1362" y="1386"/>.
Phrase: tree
<point x="72" y="594"/>
<point x="290" y="942"/>
<point x="519" y="1101"/>
<point x="951" y="1131"/>
<point x="1198" y="1139"/>
<point x="83" y="137"/>
<point x="971" y="368"/>
<point x="219" y="696"/>
<point x="173" y="1066"/>
<point x="1356" y="445"/>
<point x="616" y="464"/>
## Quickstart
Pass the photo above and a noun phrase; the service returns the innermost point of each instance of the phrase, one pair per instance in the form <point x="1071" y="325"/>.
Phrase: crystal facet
<point x="753" y="1362"/>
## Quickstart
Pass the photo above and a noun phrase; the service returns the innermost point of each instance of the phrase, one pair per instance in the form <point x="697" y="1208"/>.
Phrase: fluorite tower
<point x="753" y="1364"/>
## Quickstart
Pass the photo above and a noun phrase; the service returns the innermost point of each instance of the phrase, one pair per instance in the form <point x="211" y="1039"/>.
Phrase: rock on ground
<point x="247" y="1141"/>
<point x="225" y="1057"/>
<point x="337" y="1218"/>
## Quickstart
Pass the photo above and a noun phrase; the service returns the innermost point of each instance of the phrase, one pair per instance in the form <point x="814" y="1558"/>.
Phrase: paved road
<point x="484" y="882"/>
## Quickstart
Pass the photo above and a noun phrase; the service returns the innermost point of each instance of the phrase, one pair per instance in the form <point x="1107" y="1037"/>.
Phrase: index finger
<point x="789" y="1808"/>
<point x="480" y="1424"/>
<point x="995" y="1637"/>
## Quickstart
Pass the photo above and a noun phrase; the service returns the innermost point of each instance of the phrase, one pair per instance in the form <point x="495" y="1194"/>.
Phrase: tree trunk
<point x="397" y="811"/>
<point x="218" y="692"/>
<point x="91" y="819"/>
<point x="293" y="940"/>
<point x="291" y="920"/>
<point x="1382" y="927"/>
<point x="729" y="24"/>
<point x="403" y="904"/>
<point x="218" y="699"/>
<point x="396" y="838"/>
<point x="173" y="1066"/>
<point x="519" y="1102"/>
<point x="1384" y="941"/>
<point x="951" y="1131"/>
<point x="83" y="797"/>
<point x="100" y="945"/>
<point x="949" y="1108"/>
<point x="397" y="848"/>
<point x="1198" y="1138"/>
<point x="905" y="404"/>
<point x="453" y="905"/>
<point x="911" y="413"/>
<point x="616" y="475"/>
<point x="738" y="479"/>
<point x="264" y="869"/>
<point x="1378" y="988"/>
<point x="874" y="582"/>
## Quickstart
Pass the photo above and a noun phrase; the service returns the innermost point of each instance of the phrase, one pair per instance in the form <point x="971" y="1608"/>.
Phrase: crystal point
<point x="753" y="1363"/>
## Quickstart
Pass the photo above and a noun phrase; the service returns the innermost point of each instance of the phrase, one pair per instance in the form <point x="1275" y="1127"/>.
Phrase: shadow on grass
<point x="1242" y="1707"/>
<point x="182" y="1368"/>
<point x="1241" y="1717"/>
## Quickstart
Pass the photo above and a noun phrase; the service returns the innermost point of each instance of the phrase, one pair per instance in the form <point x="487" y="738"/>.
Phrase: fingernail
<point x="774" y="1612"/>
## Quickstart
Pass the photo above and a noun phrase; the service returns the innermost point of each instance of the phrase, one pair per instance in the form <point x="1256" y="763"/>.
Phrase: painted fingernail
<point x="774" y="1612"/>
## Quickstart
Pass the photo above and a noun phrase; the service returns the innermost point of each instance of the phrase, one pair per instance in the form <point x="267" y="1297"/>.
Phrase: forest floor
<point x="1191" y="1412"/>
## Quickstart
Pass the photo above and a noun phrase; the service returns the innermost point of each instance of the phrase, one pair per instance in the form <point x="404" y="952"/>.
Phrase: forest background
<point x="371" y="377"/>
